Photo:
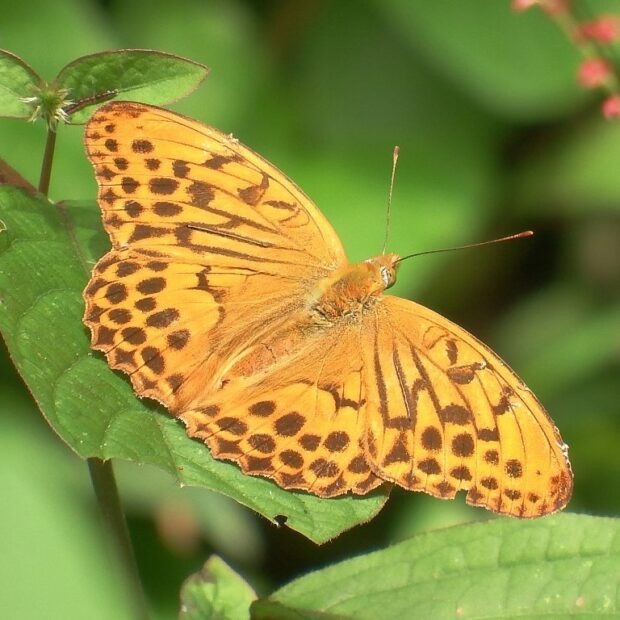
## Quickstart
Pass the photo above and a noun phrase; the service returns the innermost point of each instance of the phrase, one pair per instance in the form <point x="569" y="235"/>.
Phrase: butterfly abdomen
<point x="266" y="352"/>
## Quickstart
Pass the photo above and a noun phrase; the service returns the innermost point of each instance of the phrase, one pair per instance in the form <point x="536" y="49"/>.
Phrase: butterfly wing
<point x="301" y="422"/>
<point x="445" y="413"/>
<point x="210" y="242"/>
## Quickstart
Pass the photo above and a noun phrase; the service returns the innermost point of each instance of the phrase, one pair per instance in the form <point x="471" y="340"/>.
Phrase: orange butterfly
<point x="228" y="297"/>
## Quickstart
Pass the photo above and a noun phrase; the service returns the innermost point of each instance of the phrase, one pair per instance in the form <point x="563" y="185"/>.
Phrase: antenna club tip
<point x="527" y="233"/>
<point x="396" y="151"/>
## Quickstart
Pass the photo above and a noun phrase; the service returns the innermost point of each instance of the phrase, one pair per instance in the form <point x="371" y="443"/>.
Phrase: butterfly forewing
<point x="170" y="185"/>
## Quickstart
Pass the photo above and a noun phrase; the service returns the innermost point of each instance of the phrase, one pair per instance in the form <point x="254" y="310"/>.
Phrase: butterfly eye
<point x="386" y="276"/>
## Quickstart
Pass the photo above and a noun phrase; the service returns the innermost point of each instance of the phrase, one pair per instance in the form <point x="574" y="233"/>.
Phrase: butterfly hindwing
<point x="448" y="414"/>
<point x="301" y="424"/>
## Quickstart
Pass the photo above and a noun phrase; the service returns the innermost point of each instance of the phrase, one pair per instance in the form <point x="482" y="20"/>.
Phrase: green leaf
<point x="556" y="567"/>
<point x="216" y="593"/>
<point x="17" y="80"/>
<point x="144" y="75"/>
<point x="46" y="254"/>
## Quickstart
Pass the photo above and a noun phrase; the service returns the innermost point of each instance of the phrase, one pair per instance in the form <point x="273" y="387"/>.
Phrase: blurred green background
<point x="495" y="137"/>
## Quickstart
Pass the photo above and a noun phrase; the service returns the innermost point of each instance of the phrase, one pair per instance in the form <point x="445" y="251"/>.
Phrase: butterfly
<point x="227" y="297"/>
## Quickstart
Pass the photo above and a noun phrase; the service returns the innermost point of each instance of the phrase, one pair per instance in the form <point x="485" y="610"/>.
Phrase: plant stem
<point x="104" y="483"/>
<point x="568" y="22"/>
<point x="46" y="166"/>
<point x="101" y="472"/>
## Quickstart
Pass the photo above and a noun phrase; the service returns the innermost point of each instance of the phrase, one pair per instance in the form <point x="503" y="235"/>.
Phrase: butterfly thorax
<point x="354" y="288"/>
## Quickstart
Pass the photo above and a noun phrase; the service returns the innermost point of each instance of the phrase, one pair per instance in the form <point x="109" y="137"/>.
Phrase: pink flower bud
<point x="553" y="7"/>
<point x="611" y="107"/>
<point x="593" y="72"/>
<point x="603" y="30"/>
<point x="523" y="5"/>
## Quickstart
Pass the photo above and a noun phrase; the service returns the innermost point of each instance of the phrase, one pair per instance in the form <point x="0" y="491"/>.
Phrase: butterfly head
<point x="383" y="270"/>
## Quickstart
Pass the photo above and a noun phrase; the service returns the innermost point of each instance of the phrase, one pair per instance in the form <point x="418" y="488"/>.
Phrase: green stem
<point x="46" y="166"/>
<point x="569" y="24"/>
<point x="101" y="472"/>
<point x="104" y="483"/>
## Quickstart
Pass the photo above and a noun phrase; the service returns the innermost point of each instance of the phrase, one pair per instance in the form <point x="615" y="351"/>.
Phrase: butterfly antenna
<point x="525" y="233"/>
<point x="389" y="205"/>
